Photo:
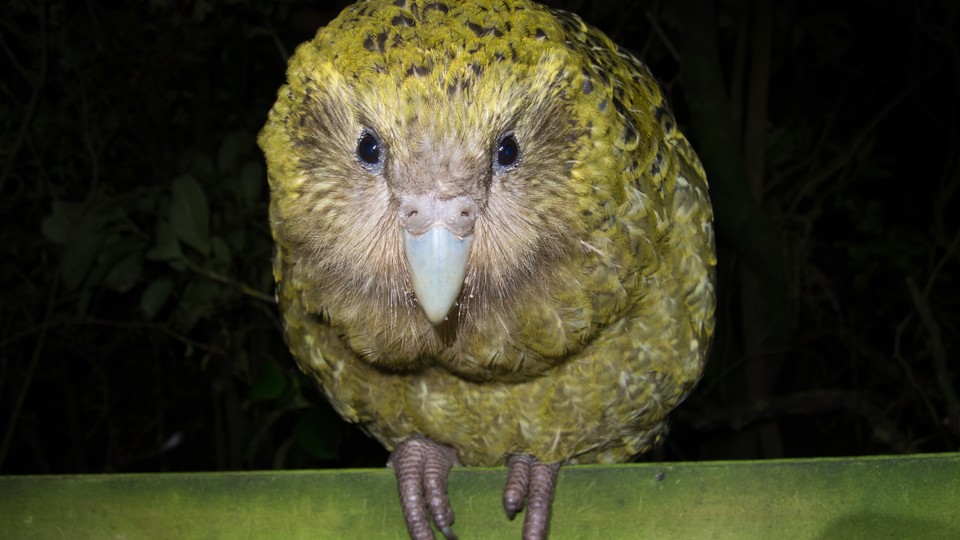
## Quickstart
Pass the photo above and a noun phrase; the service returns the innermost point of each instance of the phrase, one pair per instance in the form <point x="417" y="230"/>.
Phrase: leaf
<point x="222" y="254"/>
<point x="155" y="296"/>
<point x="237" y="240"/>
<point x="271" y="383"/>
<point x="199" y="299"/>
<point x="232" y="147"/>
<point x="114" y="248"/>
<point x="197" y="164"/>
<point x="78" y="258"/>
<point x="201" y="8"/>
<point x="189" y="214"/>
<point x="249" y="183"/>
<point x="167" y="247"/>
<point x="318" y="433"/>
<point x="57" y="226"/>
<point x="125" y="273"/>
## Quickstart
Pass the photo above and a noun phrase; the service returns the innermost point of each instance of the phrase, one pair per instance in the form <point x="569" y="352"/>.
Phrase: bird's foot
<point x="532" y="481"/>
<point x="422" y="467"/>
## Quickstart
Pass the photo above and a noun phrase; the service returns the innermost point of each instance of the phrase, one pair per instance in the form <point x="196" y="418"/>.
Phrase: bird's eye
<point x="508" y="153"/>
<point x="368" y="150"/>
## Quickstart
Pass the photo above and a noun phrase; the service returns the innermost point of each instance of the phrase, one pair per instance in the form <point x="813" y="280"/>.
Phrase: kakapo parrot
<point x="493" y="245"/>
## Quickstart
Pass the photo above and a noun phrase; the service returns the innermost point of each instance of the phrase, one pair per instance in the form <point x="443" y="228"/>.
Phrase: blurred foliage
<point x="137" y="325"/>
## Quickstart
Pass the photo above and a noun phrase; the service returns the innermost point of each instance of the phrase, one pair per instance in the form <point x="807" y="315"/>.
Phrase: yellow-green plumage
<point x="587" y="308"/>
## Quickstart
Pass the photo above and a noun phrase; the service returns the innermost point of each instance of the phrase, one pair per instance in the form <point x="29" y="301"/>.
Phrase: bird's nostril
<point x="420" y="212"/>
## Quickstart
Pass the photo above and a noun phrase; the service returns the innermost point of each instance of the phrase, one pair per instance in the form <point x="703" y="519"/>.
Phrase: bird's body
<point x="585" y="306"/>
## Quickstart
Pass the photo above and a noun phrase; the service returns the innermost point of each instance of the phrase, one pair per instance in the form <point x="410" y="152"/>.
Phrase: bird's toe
<point x="422" y="467"/>
<point x="530" y="483"/>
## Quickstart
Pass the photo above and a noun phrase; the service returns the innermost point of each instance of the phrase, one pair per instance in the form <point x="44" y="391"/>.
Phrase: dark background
<point x="137" y="330"/>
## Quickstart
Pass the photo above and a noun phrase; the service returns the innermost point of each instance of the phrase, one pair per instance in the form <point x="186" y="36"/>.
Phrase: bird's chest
<point x="595" y="406"/>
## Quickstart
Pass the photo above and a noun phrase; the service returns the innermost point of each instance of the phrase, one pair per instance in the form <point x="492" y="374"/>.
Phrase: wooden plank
<point x="850" y="498"/>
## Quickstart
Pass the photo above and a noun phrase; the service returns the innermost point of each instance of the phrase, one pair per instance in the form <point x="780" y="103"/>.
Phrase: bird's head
<point x="425" y="195"/>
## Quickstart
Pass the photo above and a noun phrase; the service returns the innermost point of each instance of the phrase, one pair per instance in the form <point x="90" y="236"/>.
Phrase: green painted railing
<point x="896" y="497"/>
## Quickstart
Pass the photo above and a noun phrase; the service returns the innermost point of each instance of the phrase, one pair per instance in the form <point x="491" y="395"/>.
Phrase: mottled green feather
<point x="587" y="310"/>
